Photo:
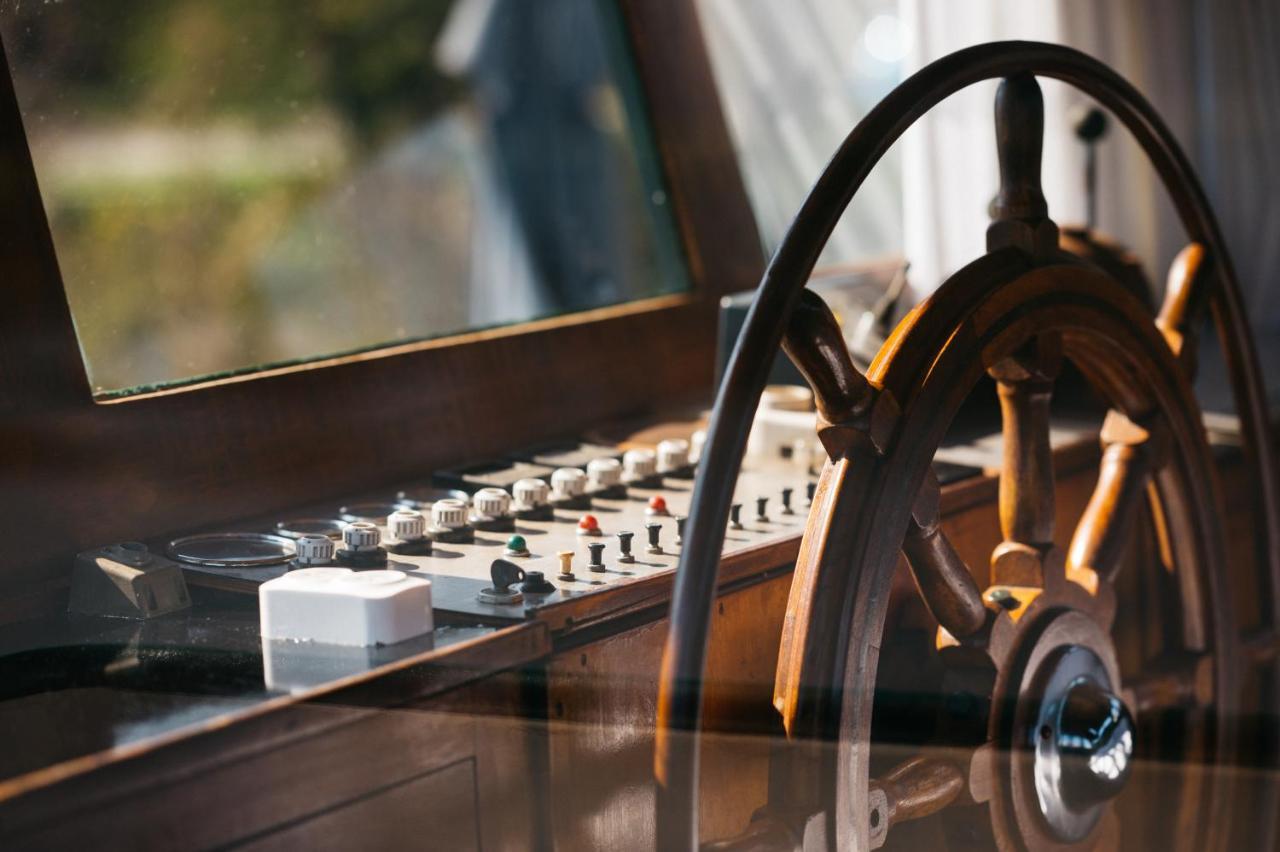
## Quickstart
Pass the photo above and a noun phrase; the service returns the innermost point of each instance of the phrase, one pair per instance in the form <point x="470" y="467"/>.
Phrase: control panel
<point x="565" y="533"/>
<point x="568" y="534"/>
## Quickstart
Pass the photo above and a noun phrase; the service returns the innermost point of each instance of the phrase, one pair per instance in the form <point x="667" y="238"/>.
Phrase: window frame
<point x="82" y="472"/>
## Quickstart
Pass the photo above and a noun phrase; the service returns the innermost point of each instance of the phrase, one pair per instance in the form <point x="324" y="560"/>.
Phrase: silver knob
<point x="604" y="473"/>
<point x="568" y="482"/>
<point x="314" y="549"/>
<point x="673" y="455"/>
<point x="638" y="464"/>
<point x="361" y="536"/>
<point x="449" y="513"/>
<point x="492" y="503"/>
<point x="407" y="525"/>
<point x="530" y="493"/>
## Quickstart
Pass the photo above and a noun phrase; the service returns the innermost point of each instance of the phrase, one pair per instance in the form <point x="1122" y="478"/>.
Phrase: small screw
<point x="1003" y="598"/>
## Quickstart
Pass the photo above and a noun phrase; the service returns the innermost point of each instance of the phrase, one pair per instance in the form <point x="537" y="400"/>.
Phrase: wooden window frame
<point x="79" y="472"/>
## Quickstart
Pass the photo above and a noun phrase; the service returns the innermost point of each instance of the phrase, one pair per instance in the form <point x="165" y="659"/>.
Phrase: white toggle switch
<point x="567" y="483"/>
<point x="343" y="607"/>
<point x="407" y="525"/>
<point x="673" y="455"/>
<point x="638" y="464"/>
<point x="314" y="549"/>
<point x="449" y="513"/>
<point x="361" y="536"/>
<point x="530" y="494"/>
<point x="604" y="473"/>
<point x="492" y="503"/>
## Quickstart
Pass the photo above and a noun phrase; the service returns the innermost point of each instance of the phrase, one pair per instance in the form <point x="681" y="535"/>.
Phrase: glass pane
<point x="794" y="79"/>
<point x="234" y="183"/>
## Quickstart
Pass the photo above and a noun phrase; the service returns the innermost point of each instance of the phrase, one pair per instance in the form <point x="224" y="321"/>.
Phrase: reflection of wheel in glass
<point x="1044" y="713"/>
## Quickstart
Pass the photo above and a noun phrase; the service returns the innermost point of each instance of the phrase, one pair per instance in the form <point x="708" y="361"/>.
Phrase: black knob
<point x="1095" y="738"/>
<point x="735" y="516"/>
<point x="809" y="490"/>
<point x="536" y="583"/>
<point x="786" y="501"/>
<point x="655" y="531"/>
<point x="597" y="557"/>
<point x="680" y="519"/>
<point x="762" y="509"/>
<point x="624" y="542"/>
<point x="504" y="574"/>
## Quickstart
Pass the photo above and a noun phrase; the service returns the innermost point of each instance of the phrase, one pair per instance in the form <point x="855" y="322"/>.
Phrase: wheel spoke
<point x="945" y="583"/>
<point x="916" y="788"/>
<point x="1185" y="297"/>
<point x="1131" y="453"/>
<point x="1184" y="679"/>
<point x="1025" y="383"/>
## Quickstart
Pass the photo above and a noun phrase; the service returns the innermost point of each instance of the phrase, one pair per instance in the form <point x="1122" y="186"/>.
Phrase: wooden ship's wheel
<point x="1042" y="723"/>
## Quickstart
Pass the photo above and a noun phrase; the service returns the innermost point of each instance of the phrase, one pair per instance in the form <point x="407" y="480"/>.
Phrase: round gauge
<point x="299" y="527"/>
<point x="421" y="497"/>
<point x="232" y="550"/>
<point x="373" y="513"/>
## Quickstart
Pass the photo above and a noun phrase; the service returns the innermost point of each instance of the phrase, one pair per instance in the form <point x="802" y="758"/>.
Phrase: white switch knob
<point x="449" y="513"/>
<point x="604" y="473"/>
<point x="638" y="464"/>
<point x="673" y="455"/>
<point x="407" y="525"/>
<point x="567" y="482"/>
<point x="314" y="549"/>
<point x="492" y="503"/>
<point x="361" y="536"/>
<point x="530" y="493"/>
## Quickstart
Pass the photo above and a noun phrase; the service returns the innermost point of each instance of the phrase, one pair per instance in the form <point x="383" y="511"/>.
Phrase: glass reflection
<point x="233" y="183"/>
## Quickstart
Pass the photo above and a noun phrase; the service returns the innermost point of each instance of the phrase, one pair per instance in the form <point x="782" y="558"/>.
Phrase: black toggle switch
<point x="655" y="531"/>
<point x="786" y="501"/>
<point x="680" y="519"/>
<point x="624" y="546"/>
<point x="762" y="510"/>
<point x="735" y="516"/>
<point x="596" y="548"/>
<point x="503" y="575"/>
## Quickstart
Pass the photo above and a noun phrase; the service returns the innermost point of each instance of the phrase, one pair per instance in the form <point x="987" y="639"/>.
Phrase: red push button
<point x="657" y="505"/>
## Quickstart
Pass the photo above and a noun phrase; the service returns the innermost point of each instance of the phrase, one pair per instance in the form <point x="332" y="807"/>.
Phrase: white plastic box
<point x="344" y="607"/>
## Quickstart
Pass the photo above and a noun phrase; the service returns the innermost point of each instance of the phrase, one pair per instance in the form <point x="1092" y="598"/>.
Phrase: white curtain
<point x="1209" y="68"/>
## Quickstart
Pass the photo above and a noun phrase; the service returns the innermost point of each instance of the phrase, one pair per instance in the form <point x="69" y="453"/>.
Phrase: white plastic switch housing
<point x="449" y="513"/>
<point x="361" y="535"/>
<point x="406" y="525"/>
<point x="568" y="482"/>
<point x="344" y="607"/>
<point x="492" y="503"/>
<point x="530" y="493"/>
<point x="314" y="549"/>
<point x="673" y="454"/>
<point x="604" y="473"/>
<point x="638" y="464"/>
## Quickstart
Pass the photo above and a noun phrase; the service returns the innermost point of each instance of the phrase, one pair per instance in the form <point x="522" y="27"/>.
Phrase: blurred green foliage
<point x="259" y="60"/>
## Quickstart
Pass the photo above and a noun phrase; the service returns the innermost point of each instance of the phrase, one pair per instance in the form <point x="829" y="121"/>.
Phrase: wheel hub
<point x="1083" y="743"/>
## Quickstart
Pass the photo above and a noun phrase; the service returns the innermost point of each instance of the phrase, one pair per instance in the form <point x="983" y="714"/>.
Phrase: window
<point x="236" y="183"/>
